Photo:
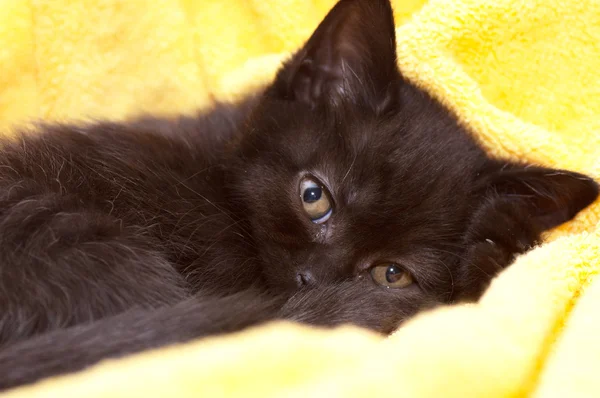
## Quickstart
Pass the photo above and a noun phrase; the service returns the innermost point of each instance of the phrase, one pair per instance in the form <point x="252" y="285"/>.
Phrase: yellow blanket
<point x="524" y="75"/>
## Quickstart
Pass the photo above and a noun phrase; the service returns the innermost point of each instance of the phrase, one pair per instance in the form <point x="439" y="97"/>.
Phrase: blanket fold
<point x="522" y="75"/>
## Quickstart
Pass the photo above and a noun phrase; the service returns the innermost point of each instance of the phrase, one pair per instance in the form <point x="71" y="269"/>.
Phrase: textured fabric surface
<point x="522" y="75"/>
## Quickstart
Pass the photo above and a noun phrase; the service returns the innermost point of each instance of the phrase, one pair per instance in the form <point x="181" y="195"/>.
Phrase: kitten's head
<point x="350" y="172"/>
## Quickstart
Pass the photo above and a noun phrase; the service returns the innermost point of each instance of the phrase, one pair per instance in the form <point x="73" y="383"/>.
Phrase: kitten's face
<point x="351" y="173"/>
<point x="335" y="195"/>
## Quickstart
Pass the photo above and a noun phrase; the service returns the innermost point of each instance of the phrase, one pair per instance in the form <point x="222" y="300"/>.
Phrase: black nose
<point x="305" y="278"/>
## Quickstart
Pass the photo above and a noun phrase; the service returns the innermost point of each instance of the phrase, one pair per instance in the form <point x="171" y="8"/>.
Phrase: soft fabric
<point x="523" y="75"/>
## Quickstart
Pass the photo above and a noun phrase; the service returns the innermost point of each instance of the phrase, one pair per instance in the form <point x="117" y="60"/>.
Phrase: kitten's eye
<point x="391" y="275"/>
<point x="315" y="200"/>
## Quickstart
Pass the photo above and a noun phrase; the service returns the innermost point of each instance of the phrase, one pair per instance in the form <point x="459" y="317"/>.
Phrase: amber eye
<point x="315" y="200"/>
<point x="391" y="275"/>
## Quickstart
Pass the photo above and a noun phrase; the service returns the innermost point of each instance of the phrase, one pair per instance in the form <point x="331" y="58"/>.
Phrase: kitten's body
<point x="117" y="238"/>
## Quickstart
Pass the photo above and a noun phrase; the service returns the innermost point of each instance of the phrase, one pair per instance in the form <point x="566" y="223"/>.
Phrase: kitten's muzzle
<point x="305" y="279"/>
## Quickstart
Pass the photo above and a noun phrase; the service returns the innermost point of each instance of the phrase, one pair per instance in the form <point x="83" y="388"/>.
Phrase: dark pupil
<point x="393" y="274"/>
<point x="312" y="194"/>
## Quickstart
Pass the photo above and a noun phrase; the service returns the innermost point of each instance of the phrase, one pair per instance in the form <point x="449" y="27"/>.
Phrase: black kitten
<point x="342" y="193"/>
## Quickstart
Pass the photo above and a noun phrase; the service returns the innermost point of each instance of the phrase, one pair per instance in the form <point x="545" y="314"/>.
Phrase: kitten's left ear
<point x="520" y="203"/>
<point x="351" y="57"/>
<point x="552" y="197"/>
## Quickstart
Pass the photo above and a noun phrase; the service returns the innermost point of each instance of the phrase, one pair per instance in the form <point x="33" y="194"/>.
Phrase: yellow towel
<point x="523" y="75"/>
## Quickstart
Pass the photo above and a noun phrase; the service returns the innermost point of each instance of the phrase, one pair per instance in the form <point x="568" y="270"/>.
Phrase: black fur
<point x="116" y="238"/>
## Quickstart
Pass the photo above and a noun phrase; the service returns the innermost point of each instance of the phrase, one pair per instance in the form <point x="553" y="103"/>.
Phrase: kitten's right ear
<point x="350" y="58"/>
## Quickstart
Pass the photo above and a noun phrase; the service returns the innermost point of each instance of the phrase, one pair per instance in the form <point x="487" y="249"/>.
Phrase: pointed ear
<point x="350" y="57"/>
<point x="552" y="197"/>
